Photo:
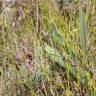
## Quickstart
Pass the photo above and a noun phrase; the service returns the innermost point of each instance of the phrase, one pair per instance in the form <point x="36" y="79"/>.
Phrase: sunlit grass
<point x="52" y="52"/>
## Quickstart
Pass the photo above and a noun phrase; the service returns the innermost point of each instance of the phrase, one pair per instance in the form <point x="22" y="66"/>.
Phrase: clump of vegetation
<point x="48" y="48"/>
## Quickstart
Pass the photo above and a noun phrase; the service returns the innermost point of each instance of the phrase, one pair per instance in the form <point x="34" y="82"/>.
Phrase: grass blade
<point x="83" y="30"/>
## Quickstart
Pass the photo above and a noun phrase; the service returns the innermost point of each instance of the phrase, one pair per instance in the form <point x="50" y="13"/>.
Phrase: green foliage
<point x="57" y="36"/>
<point x="63" y="66"/>
<point x="83" y="30"/>
<point x="54" y="55"/>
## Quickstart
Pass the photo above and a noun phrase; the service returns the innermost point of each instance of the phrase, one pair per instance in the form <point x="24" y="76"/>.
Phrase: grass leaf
<point x="56" y="34"/>
<point x="83" y="30"/>
<point x="54" y="55"/>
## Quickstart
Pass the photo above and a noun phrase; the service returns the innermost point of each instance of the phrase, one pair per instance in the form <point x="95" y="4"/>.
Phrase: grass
<point x="48" y="50"/>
